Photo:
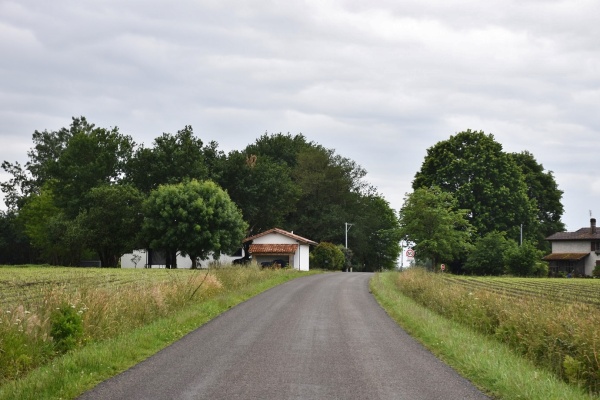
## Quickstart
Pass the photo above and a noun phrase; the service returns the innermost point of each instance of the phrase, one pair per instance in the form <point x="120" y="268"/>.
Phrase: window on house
<point x="595" y="245"/>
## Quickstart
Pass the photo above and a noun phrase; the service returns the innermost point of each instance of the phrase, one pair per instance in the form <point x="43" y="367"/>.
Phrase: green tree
<point x="375" y="235"/>
<point x="262" y="188"/>
<point x="14" y="243"/>
<point x="431" y="219"/>
<point x="488" y="256"/>
<point x="542" y="187"/>
<point x="196" y="218"/>
<point x="113" y="220"/>
<point x="525" y="260"/>
<point x="172" y="159"/>
<point x="327" y="256"/>
<point x="484" y="180"/>
<point x="59" y="239"/>
<point x="329" y="193"/>
<point x="93" y="156"/>
<point x="48" y="147"/>
<point x="279" y="147"/>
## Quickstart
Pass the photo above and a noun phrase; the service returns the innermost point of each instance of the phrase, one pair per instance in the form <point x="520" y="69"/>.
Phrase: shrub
<point x="66" y="328"/>
<point x="327" y="256"/>
<point x="522" y="260"/>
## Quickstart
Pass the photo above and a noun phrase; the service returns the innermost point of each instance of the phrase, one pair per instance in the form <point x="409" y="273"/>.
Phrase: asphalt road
<point x="316" y="337"/>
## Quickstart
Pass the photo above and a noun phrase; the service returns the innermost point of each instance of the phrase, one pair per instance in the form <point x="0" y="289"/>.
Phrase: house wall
<point x="300" y="260"/>
<point x="571" y="247"/>
<point x="580" y="246"/>
<point x="274" y="238"/>
<point x="182" y="262"/>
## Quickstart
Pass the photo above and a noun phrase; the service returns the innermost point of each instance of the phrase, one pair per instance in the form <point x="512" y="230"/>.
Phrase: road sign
<point x="443" y="267"/>
<point x="410" y="253"/>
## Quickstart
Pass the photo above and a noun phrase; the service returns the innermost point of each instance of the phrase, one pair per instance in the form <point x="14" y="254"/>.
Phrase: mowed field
<point x="551" y="321"/>
<point x="48" y="312"/>
<point x="25" y="285"/>
<point x="575" y="290"/>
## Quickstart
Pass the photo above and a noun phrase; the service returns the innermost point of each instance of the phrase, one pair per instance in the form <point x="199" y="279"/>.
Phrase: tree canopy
<point x="196" y="218"/>
<point x="431" y="219"/>
<point x="484" y="180"/>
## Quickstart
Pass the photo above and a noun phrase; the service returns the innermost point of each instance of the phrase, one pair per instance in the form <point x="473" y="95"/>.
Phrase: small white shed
<point x="276" y="245"/>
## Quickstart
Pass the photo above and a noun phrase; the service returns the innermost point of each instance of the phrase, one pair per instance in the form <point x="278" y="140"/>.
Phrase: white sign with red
<point x="443" y="267"/>
<point x="410" y="253"/>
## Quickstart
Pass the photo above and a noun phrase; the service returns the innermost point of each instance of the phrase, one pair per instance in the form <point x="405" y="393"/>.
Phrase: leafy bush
<point x="66" y="328"/>
<point x="327" y="256"/>
<point x="488" y="256"/>
<point x="522" y="260"/>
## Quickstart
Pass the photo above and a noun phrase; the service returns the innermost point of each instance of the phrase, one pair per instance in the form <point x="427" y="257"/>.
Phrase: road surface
<point x="316" y="337"/>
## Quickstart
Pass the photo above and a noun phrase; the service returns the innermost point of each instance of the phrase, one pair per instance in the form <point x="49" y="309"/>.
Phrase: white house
<point x="152" y="259"/>
<point x="576" y="252"/>
<point x="277" y="245"/>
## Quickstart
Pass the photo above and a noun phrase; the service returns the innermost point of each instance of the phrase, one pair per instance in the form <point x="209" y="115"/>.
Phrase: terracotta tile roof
<point x="281" y="232"/>
<point x="581" y="234"/>
<point x="565" y="256"/>
<point x="273" y="248"/>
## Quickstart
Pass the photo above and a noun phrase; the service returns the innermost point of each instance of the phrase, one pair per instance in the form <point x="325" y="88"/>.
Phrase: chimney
<point x="593" y="225"/>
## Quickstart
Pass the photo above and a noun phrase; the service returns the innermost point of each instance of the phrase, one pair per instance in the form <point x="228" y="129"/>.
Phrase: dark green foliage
<point x="112" y="220"/>
<point x="432" y="220"/>
<point x="173" y="159"/>
<point x="261" y="187"/>
<point x="279" y="147"/>
<point x="327" y="256"/>
<point x="542" y="187"/>
<point x="92" y="157"/>
<point x="66" y="328"/>
<point x="375" y="237"/>
<point x="488" y="256"/>
<point x="524" y="260"/>
<point x="484" y="180"/>
<point x="14" y="243"/>
<point x="196" y="218"/>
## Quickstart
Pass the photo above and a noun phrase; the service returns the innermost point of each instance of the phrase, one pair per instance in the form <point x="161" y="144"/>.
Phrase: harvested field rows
<point x="550" y="289"/>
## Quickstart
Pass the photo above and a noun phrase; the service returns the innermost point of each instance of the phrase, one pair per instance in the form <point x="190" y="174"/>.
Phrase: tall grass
<point x="562" y="338"/>
<point x="104" y="307"/>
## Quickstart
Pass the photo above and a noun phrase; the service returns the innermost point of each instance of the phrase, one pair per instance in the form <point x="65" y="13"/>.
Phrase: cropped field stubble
<point x="557" y="332"/>
<point x="109" y="301"/>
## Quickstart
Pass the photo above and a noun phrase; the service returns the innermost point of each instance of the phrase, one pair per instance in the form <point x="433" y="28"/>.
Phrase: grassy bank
<point x="122" y="320"/>
<point x="487" y="362"/>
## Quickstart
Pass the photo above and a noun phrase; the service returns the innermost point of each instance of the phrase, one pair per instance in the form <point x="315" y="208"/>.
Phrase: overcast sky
<point x="379" y="81"/>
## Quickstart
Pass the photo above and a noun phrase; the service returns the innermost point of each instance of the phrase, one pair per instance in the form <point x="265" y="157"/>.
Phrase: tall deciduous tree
<point x="196" y="218"/>
<point x="113" y="220"/>
<point x="542" y="187"/>
<point x="375" y="235"/>
<point x="329" y="193"/>
<point x="431" y="219"/>
<point x="59" y="239"/>
<point x="15" y="246"/>
<point x="484" y="180"/>
<point x="41" y="166"/>
<point x="261" y="187"/>
<point x="172" y="159"/>
<point x="92" y="157"/>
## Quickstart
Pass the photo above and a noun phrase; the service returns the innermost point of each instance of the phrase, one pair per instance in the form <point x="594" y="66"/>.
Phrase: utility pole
<point x="347" y="226"/>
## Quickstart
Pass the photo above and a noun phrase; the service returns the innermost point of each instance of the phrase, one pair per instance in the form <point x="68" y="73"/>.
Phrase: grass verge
<point x="490" y="365"/>
<point x="70" y="375"/>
